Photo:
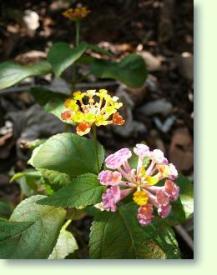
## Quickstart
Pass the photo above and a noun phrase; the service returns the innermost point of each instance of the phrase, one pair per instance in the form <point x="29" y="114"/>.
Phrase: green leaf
<point x="5" y="209"/>
<point x="55" y="177"/>
<point x="30" y="181"/>
<point x="35" y="232"/>
<point x="12" y="73"/>
<point x="97" y="49"/>
<point x="165" y="238"/>
<point x="11" y="230"/>
<point x="66" y="244"/>
<point x="68" y="153"/>
<point x="186" y="195"/>
<point x="183" y="208"/>
<point x="119" y="236"/>
<point x="52" y="102"/>
<point x="61" y="56"/>
<point x="82" y="191"/>
<point x="29" y="174"/>
<point x="131" y="70"/>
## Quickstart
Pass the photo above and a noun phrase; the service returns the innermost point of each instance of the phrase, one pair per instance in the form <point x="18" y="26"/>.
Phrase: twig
<point x="184" y="234"/>
<point x="79" y="86"/>
<point x="97" y="84"/>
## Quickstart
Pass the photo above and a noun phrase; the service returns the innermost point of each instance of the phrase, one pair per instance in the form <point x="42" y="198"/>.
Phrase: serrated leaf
<point x="54" y="177"/>
<point x="68" y="153"/>
<point x="66" y="244"/>
<point x="119" y="236"/>
<point x="61" y="56"/>
<point x="82" y="191"/>
<point x="37" y="239"/>
<point x="12" y="73"/>
<point x="131" y="70"/>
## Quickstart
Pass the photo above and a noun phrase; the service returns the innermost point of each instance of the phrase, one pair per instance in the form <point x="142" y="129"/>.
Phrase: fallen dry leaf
<point x="181" y="150"/>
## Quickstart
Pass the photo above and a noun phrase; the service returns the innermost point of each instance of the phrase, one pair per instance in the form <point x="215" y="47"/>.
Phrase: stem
<point x="77" y="42"/>
<point x="74" y="76"/>
<point x="67" y="223"/>
<point x="96" y="148"/>
<point x="77" y="33"/>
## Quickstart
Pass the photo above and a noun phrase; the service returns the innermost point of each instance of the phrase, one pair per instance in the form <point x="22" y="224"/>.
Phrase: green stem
<point x="74" y="77"/>
<point x="96" y="147"/>
<point x="77" y="33"/>
<point x="67" y="223"/>
<point x="77" y="42"/>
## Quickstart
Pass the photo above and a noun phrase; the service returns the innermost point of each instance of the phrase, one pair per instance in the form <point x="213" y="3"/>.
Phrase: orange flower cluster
<point x="89" y="108"/>
<point x="76" y="13"/>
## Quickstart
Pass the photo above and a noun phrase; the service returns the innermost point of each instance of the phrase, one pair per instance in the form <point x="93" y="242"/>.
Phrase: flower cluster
<point x="122" y="179"/>
<point x="76" y="14"/>
<point x="92" y="108"/>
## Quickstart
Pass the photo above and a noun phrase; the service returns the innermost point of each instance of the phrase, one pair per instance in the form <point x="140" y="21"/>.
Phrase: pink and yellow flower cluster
<point x="121" y="180"/>
<point x="89" y="108"/>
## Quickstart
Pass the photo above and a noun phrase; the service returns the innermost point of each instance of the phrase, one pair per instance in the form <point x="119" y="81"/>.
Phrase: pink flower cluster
<point x="122" y="179"/>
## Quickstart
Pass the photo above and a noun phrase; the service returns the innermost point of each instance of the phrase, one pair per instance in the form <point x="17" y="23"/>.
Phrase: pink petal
<point x="158" y="156"/>
<point x="142" y="150"/>
<point x="171" y="189"/>
<point x="173" y="172"/>
<point x="117" y="159"/>
<point x="108" y="177"/>
<point x="145" y="214"/>
<point x="164" y="211"/>
<point x="110" y="198"/>
<point x="162" y="198"/>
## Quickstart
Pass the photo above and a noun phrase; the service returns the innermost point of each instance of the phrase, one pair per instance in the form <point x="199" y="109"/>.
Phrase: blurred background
<point x="160" y="113"/>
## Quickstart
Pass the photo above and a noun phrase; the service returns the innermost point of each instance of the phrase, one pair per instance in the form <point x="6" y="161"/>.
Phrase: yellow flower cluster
<point x="76" y="13"/>
<point x="92" y="108"/>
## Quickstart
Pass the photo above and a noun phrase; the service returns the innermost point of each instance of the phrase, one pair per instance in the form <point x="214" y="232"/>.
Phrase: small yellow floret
<point x="140" y="198"/>
<point x="152" y="180"/>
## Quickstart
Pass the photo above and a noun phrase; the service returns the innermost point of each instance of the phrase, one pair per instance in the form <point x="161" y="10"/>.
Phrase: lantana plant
<point x="133" y="196"/>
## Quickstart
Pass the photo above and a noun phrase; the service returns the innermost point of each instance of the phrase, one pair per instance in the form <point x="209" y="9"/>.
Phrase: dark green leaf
<point x="165" y="238"/>
<point x="68" y="153"/>
<point x="131" y="70"/>
<point x="39" y="233"/>
<point x="5" y="209"/>
<point x="183" y="208"/>
<point x="119" y="236"/>
<point x="186" y="195"/>
<point x="61" y="56"/>
<point x="55" y="177"/>
<point x="82" y="191"/>
<point x="52" y="102"/>
<point x="12" y="73"/>
<point x="11" y="230"/>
